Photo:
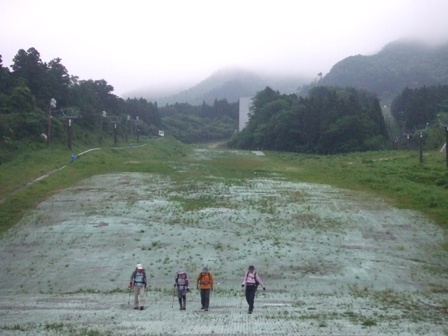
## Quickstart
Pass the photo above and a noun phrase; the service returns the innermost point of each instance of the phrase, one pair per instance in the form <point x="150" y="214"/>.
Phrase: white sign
<point x="161" y="133"/>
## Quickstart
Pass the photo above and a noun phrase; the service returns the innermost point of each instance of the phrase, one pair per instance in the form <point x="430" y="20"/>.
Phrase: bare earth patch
<point x="334" y="262"/>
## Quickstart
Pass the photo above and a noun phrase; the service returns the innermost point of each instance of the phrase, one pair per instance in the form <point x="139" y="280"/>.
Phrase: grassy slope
<point x="395" y="175"/>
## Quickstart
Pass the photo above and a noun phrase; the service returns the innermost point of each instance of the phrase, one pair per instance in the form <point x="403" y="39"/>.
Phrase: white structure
<point x="245" y="103"/>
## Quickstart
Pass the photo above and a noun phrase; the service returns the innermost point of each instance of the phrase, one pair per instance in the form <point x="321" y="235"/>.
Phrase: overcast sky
<point x="143" y="43"/>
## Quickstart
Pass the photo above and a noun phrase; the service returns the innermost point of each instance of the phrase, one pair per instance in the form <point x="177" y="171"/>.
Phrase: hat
<point x="205" y="269"/>
<point x="251" y="267"/>
<point x="139" y="266"/>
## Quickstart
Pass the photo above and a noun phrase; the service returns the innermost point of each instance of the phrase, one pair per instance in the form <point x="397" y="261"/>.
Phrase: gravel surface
<point x="334" y="262"/>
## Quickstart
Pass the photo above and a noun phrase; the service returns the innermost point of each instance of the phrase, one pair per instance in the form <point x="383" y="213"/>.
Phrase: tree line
<point x="27" y="87"/>
<point x="330" y="120"/>
<point x="423" y="110"/>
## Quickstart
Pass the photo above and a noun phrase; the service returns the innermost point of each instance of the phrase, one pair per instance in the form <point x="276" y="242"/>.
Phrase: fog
<point x="177" y="43"/>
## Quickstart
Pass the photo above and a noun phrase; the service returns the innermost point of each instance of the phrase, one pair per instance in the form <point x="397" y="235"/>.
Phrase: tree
<point x="28" y="69"/>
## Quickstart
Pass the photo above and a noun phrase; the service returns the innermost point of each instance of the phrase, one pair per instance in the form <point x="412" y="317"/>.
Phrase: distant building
<point x="245" y="103"/>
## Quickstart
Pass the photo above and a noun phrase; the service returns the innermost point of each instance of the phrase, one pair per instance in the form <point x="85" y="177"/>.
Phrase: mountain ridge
<point x="399" y="64"/>
<point x="230" y="84"/>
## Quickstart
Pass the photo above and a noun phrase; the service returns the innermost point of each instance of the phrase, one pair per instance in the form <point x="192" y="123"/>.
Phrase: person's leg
<point x="202" y="299"/>
<point x="142" y="297"/>
<point x="184" y="299"/>
<point x="207" y="299"/>
<point x="247" y="295"/>
<point x="252" y="291"/>
<point x="179" y="297"/>
<point x="135" y="297"/>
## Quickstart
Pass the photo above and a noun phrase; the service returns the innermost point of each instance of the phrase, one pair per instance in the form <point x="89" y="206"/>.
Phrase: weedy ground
<point x="351" y="244"/>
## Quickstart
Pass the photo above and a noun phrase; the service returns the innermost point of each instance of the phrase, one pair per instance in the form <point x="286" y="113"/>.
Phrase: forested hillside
<point x="331" y="120"/>
<point x="35" y="94"/>
<point x="423" y="110"/>
<point x="398" y="65"/>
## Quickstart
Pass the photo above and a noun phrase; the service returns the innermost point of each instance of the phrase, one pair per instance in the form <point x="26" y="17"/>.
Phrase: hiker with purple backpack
<point x="181" y="282"/>
<point x="251" y="280"/>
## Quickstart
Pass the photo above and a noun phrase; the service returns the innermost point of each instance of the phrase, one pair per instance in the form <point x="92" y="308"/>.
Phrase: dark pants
<point x="205" y="298"/>
<point x="250" y="295"/>
<point x="182" y="296"/>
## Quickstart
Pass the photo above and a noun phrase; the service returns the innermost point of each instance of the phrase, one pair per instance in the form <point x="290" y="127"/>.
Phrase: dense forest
<point x="29" y="87"/>
<point x="423" y="110"/>
<point x="330" y="120"/>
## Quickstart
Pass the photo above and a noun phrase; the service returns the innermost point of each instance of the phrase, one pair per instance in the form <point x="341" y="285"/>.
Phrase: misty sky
<point x="146" y="43"/>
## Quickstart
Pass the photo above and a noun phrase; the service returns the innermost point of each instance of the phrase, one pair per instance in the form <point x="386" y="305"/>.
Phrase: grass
<point x="397" y="176"/>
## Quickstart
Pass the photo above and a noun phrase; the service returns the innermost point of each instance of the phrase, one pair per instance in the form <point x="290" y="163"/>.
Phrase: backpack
<point x="255" y="278"/>
<point x="181" y="279"/>
<point x="205" y="278"/>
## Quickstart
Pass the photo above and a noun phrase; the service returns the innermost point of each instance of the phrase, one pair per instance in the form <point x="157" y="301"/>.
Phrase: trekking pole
<point x="129" y="297"/>
<point x="174" y="294"/>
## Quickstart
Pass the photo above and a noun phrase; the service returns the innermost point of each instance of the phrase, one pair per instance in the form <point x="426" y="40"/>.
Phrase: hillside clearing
<point x="333" y="261"/>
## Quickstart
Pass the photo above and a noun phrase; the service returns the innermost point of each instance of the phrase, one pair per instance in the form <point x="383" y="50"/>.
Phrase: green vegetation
<point x="331" y="120"/>
<point x="33" y="90"/>
<point x="396" y="175"/>
<point x="416" y="107"/>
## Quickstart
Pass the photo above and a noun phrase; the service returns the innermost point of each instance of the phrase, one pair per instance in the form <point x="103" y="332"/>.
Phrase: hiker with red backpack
<point x="181" y="282"/>
<point x="138" y="283"/>
<point x="251" y="281"/>
<point x="205" y="282"/>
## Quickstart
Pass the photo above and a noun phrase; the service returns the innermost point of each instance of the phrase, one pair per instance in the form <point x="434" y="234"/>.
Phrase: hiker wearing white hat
<point x="138" y="283"/>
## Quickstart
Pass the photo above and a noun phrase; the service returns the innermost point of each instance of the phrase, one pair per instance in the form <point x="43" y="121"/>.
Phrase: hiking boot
<point x="136" y="308"/>
<point x="250" y="311"/>
<point x="202" y="308"/>
<point x="141" y="308"/>
<point x="206" y="309"/>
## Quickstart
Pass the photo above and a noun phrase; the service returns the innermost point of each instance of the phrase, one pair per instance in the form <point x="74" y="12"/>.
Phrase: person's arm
<point x="131" y="281"/>
<point x="244" y="280"/>
<point x="212" y="282"/>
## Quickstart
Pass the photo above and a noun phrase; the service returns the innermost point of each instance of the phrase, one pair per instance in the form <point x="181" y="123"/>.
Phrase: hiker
<point x="251" y="281"/>
<point x="205" y="282"/>
<point x="138" y="283"/>
<point x="181" y="282"/>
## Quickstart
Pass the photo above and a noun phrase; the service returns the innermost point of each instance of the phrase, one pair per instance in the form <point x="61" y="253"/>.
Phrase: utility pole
<point x="103" y="115"/>
<point x="50" y="110"/>
<point x="446" y="144"/>
<point x="127" y="130"/>
<point x="69" y="114"/>
<point x="421" y="147"/>
<point x="69" y="133"/>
